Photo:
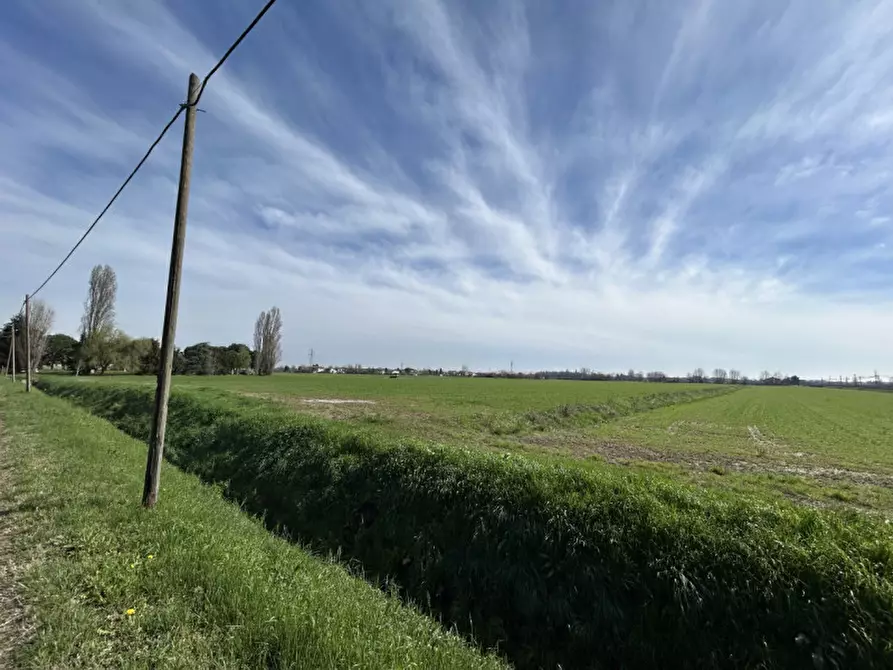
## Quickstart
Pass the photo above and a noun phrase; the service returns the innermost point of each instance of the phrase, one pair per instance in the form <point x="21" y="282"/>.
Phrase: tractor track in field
<point x="620" y="453"/>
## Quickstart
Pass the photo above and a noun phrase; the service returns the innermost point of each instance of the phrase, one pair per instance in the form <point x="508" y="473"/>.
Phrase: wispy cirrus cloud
<point x="625" y="184"/>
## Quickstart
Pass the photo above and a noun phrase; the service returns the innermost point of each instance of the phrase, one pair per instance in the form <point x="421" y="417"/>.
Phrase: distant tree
<point x="96" y="352"/>
<point x="734" y="376"/>
<point x="765" y="376"/>
<point x="267" y="341"/>
<point x="258" y="341"/>
<point x="40" y="322"/>
<point x="224" y="361"/>
<point x="698" y="375"/>
<point x="109" y="348"/>
<point x="119" y="351"/>
<point x="99" y="307"/>
<point x="720" y="376"/>
<point x="237" y="357"/>
<point x="6" y="341"/>
<point x="179" y="365"/>
<point x="135" y="350"/>
<point x="200" y="359"/>
<point x="125" y="355"/>
<point x="98" y="320"/>
<point x="150" y="359"/>
<point x="61" y="349"/>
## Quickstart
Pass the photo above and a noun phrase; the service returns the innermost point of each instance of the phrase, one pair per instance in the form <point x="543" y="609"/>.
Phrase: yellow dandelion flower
<point x="150" y="557"/>
<point x="132" y="566"/>
<point x="130" y="612"/>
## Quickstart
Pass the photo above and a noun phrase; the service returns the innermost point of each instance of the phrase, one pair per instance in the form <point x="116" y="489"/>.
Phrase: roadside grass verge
<point x="555" y="565"/>
<point x="194" y="583"/>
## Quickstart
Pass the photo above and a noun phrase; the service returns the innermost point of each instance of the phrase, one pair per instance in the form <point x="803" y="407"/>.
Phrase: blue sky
<point x="620" y="184"/>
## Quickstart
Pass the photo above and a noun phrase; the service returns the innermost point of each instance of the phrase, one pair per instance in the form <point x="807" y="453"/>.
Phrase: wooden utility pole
<point x="163" y="388"/>
<point x="8" y="354"/>
<point x="13" y="351"/>
<point x="27" y="344"/>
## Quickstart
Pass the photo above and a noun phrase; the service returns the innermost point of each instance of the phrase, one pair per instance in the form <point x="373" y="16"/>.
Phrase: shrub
<point x="552" y="564"/>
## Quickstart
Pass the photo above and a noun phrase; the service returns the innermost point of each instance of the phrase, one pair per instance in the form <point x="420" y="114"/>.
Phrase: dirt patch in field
<point x="338" y="409"/>
<point x="14" y="628"/>
<point x="620" y="453"/>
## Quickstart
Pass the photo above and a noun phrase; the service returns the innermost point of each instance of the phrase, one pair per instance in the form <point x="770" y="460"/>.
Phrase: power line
<point x="112" y="201"/>
<point x="232" y="48"/>
<point x="154" y="144"/>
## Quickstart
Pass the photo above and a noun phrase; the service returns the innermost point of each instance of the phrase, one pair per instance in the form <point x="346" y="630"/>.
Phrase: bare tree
<point x="697" y="375"/>
<point x="259" y="340"/>
<point x="98" y="321"/>
<point x="41" y="320"/>
<point x="99" y="307"/>
<point x="734" y="376"/>
<point x="720" y="376"/>
<point x="267" y="341"/>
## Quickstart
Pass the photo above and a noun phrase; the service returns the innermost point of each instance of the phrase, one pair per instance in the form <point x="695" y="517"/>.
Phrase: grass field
<point x="825" y="447"/>
<point x="798" y="425"/>
<point x="554" y="557"/>
<point x="449" y="409"/>
<point x="194" y="583"/>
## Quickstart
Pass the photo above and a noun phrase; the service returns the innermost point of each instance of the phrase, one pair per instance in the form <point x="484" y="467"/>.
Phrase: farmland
<point x="564" y="523"/>
<point x="825" y="447"/>
<point x="465" y="410"/>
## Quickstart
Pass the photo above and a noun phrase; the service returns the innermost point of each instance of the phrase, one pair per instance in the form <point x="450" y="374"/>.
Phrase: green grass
<point x="591" y="566"/>
<point x="209" y="587"/>
<point x="797" y="425"/>
<point x="823" y="447"/>
<point x="450" y="395"/>
<point x="454" y="410"/>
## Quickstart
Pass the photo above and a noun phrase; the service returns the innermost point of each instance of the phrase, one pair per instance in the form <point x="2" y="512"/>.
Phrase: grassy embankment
<point x="596" y="568"/>
<point x="194" y="583"/>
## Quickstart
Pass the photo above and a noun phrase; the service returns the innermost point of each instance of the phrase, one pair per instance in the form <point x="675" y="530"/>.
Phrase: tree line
<point x="101" y="346"/>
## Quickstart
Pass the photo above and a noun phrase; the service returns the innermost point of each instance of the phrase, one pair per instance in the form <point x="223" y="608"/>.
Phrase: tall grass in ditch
<point x="553" y="565"/>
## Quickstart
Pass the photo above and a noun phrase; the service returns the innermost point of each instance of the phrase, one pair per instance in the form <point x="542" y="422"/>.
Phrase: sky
<point x="611" y="185"/>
